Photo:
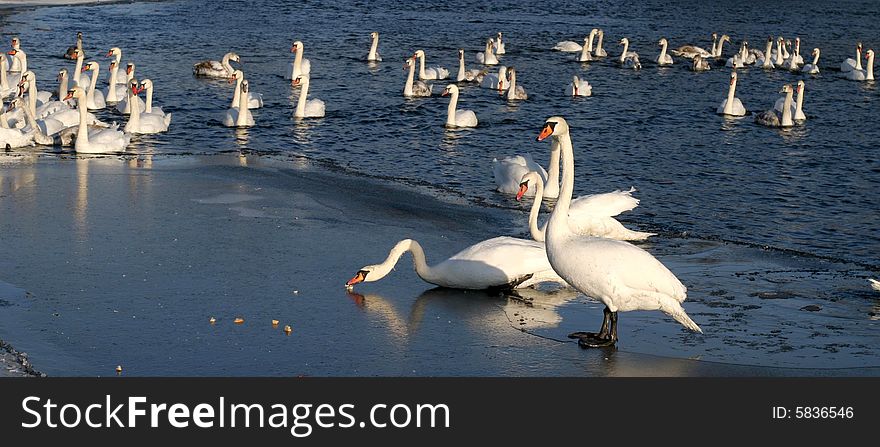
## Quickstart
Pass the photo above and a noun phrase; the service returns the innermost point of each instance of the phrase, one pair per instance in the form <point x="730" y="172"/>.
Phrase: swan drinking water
<point x="454" y="117"/>
<point x="770" y="118"/>
<point x="579" y="87"/>
<point x="731" y="105"/>
<point x="414" y="88"/>
<point x="215" y="69"/>
<point x="307" y="108"/>
<point x="617" y="273"/>
<point x="373" y="55"/>
<point x="663" y="58"/>
<point x="429" y="73"/>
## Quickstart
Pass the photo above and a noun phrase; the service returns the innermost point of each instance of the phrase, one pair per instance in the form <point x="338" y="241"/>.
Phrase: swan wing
<point x="314" y="108"/>
<point x="494" y="262"/>
<point x="607" y="204"/>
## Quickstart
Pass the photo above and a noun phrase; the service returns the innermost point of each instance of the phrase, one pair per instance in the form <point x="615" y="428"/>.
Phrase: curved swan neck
<point x="225" y="63"/>
<point x="408" y="88"/>
<point x="590" y="41"/>
<point x="816" y="59"/>
<point x="450" y="109"/>
<point x="419" y="263"/>
<point x="558" y="224"/>
<point x="93" y="80"/>
<point x="301" y="102"/>
<point x="536" y="232"/>
<point x="625" y="48"/>
<point x="599" y="42"/>
<point x="587" y="48"/>
<point x="663" y="49"/>
<point x="77" y="69"/>
<point x="237" y="93"/>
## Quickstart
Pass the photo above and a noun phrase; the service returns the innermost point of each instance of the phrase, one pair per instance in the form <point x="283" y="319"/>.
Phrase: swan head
<point x="461" y="53"/>
<point x="26" y="77"/>
<point x="450" y="89"/>
<point x="62" y="74"/>
<point x="79" y="35"/>
<point x="800" y="86"/>
<point x="114" y="51"/>
<point x="786" y="89"/>
<point x="409" y="62"/>
<point x="530" y="176"/>
<point x="112" y="66"/>
<point x="419" y="54"/>
<point x="297" y="46"/>
<point x="237" y="74"/>
<point x="815" y="52"/>
<point x="244" y="86"/>
<point x="129" y="68"/>
<point x="554" y="126"/>
<point x="725" y="38"/>
<point x="662" y="41"/>
<point x="300" y="80"/>
<point x="374" y="35"/>
<point x="146" y="84"/>
<point x="732" y="77"/>
<point x="575" y="80"/>
<point x="869" y="54"/>
<point x="16" y="43"/>
<point x="499" y="35"/>
<point x="133" y="87"/>
<point x="594" y="31"/>
<point x="624" y="41"/>
<point x="76" y="92"/>
<point x="91" y="66"/>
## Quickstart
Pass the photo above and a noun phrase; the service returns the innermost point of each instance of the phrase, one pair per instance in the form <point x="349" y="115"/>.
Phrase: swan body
<point x="96" y="141"/>
<point x="216" y="69"/>
<point x="509" y="171"/>
<point x="299" y="66"/>
<point x="663" y="58"/>
<point x="690" y="51"/>
<point x="499" y="45"/>
<point x="850" y="64"/>
<point x="429" y="73"/>
<point x="414" y="88"/>
<point x="813" y="67"/>
<point x="628" y="59"/>
<point x="455" y="117"/>
<point x="797" y="110"/>
<point x="7" y="85"/>
<point x="373" y="54"/>
<point x="240" y="116"/>
<point x="514" y="92"/>
<point x="591" y="215"/>
<point x="307" y="108"/>
<point x="496" y="81"/>
<point x="579" y="87"/>
<point x="487" y="57"/>
<point x="254" y="100"/>
<point x="863" y="75"/>
<point x="599" y="51"/>
<point x="27" y="136"/>
<point x="700" y="64"/>
<point x="501" y="262"/>
<point x="465" y="75"/>
<point x="617" y="273"/>
<point x="770" y="118"/>
<point x="568" y="46"/>
<point x="149" y="108"/>
<point x="19" y="57"/>
<point x="874" y="284"/>
<point x="143" y="123"/>
<point x="731" y="105"/>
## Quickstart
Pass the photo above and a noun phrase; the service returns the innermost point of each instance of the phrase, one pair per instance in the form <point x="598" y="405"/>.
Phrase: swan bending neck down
<point x="502" y="262"/>
<point x="454" y="117"/>
<point x="619" y="274"/>
<point x="591" y="215"/>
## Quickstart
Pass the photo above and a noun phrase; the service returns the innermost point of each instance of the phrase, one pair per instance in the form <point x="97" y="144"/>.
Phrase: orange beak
<point x="69" y="95"/>
<point x="109" y="53"/>
<point x="11" y="53"/>
<point x="523" y="187"/>
<point x="296" y="81"/>
<point x="84" y="69"/>
<point x="231" y="80"/>
<point x="500" y="86"/>
<point x="128" y="70"/>
<point x="360" y="277"/>
<point x="293" y="49"/>
<point x="545" y="132"/>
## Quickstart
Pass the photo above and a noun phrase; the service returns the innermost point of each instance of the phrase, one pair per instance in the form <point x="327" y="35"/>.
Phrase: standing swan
<point x="373" y="55"/>
<point x="812" y="68"/>
<point x="240" y="116"/>
<point x="591" y="215"/>
<point x="307" y="108"/>
<point x="501" y="262"/>
<point x="299" y="66"/>
<point x="458" y="118"/>
<point x="429" y="73"/>
<point x="579" y="87"/>
<point x="770" y="118"/>
<point x="663" y="58"/>
<point x="731" y="105"/>
<point x="619" y="274"/>
<point x="215" y="69"/>
<point x="412" y="87"/>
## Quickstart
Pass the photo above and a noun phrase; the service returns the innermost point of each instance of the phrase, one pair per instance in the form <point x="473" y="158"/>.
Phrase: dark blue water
<point x="810" y="190"/>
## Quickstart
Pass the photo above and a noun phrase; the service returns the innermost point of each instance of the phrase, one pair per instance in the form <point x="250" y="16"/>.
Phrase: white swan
<point x="794" y="60"/>
<point x="147" y="85"/>
<point x="508" y="172"/>
<point x="94" y="98"/>
<point x="96" y="141"/>
<point x="567" y="46"/>
<point x="780" y="53"/>
<point x="496" y="81"/>
<point x="514" y="92"/>
<point x="628" y="59"/>
<point x="55" y="117"/>
<point x="586" y="51"/>
<point x="591" y="215"/>
<point x="254" y="101"/>
<point x="770" y="118"/>
<point x="579" y="87"/>
<point x="499" y="45"/>
<point x="216" y="69"/>
<point x="813" y="67"/>
<point x="465" y="75"/>
<point x="501" y="262"/>
<point x="123" y="106"/>
<point x="7" y="87"/>
<point x="307" y="108"/>
<point x="617" y="273"/>
<point x="600" y="52"/>
<point x="700" y="64"/>
<point x="663" y="58"/>
<point x="429" y="73"/>
<point x="28" y="135"/>
<point x="731" y="105"/>
<point x="142" y="123"/>
<point x="240" y="116"/>
<point x="414" y="88"/>
<point x="738" y="60"/>
<point x="874" y="284"/>
<point x="115" y="91"/>
<point x="299" y="66"/>
<point x="487" y="57"/>
<point x="797" y="110"/>
<point x="116" y="54"/>
<point x="19" y="60"/>
<point x="77" y="76"/>
<point x="373" y="54"/>
<point x="40" y="97"/>
<point x="720" y="48"/>
<point x="863" y="75"/>
<point x="850" y="64"/>
<point x="454" y="117"/>
<point x="766" y="59"/>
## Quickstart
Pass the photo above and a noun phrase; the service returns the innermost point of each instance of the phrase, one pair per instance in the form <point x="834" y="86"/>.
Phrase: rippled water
<point x="810" y="189"/>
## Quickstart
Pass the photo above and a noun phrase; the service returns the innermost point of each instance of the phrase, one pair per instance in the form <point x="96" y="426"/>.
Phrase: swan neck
<point x="148" y="108"/>
<point x="558" y="224"/>
<point x="226" y="65"/>
<point x="586" y="49"/>
<point x="625" y="48"/>
<point x="243" y="107"/>
<point x="422" y="74"/>
<point x="511" y="89"/>
<point x="731" y="93"/>
<point x="599" y="42"/>
<point x="373" y="47"/>
<point x="32" y="96"/>
<point x="800" y="101"/>
<point x="786" y="110"/>
<point x="663" y="50"/>
<point x="552" y="186"/>
<point x="4" y="82"/>
<point x="134" y="119"/>
<point x="870" y="76"/>
<point x="536" y="232"/>
<point x="461" y="70"/>
<point x="93" y="81"/>
<point x="237" y="93"/>
<point x="450" y="110"/>
<point x="301" y="102"/>
<point x="590" y="42"/>
<point x="419" y="263"/>
<point x="408" y="88"/>
<point x="82" y="133"/>
<point x="816" y="59"/>
<point x="77" y="70"/>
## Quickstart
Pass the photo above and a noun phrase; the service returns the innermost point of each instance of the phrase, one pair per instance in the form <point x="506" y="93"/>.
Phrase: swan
<point x="628" y="59"/>
<point x="663" y="58"/>
<point x="464" y="75"/>
<point x="71" y="51"/>
<point x="748" y="55"/>
<point x="499" y="45"/>
<point x="254" y="101"/>
<point x="313" y="108"/>
<point x="874" y="284"/>
<point x="700" y="64"/>
<point x="19" y="60"/>
<point x="240" y="116"/>
<point x="6" y="87"/>
<point x="585" y="55"/>
<point x="412" y="87"/>
<point x="866" y="74"/>
<point x="508" y="172"/>
<point x="299" y="66"/>
<point x="487" y="57"/>
<point x="567" y="46"/>
<point x="579" y="87"/>
<point x="797" y="110"/>
<point x="591" y="215"/>
<point x="457" y="118"/>
<point x="770" y="118"/>
<point x="41" y="97"/>
<point x="116" y="54"/>
<point x="813" y="67"/>
<point x="690" y="51"/>
<point x="620" y="275"/>
<point x="55" y="116"/>
<point x="600" y="52"/>
<point x="779" y="54"/>
<point x="429" y="73"/>
<point x="13" y="76"/>
<point x="143" y="123"/>
<point x="514" y="92"/>
<point x="215" y="69"/>
<point x="123" y="105"/>
<point x="97" y="141"/>
<point x="731" y="105"/>
<point x="501" y="262"/>
<point x="373" y="55"/>
<point x="720" y="48"/>
<point x="94" y="99"/>
<point x="766" y="59"/>
<point x="77" y="76"/>
<point x="794" y="60"/>
<point x="40" y="110"/>
<point x="147" y="85"/>
<point x="27" y="136"/>
<point x="738" y="60"/>
<point x="851" y="64"/>
<point x="495" y="81"/>
<point x="115" y="91"/>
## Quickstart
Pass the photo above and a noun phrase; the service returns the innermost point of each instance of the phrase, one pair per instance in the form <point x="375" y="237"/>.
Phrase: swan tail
<point x="632" y="235"/>
<point x="875" y="284"/>
<point x="674" y="310"/>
